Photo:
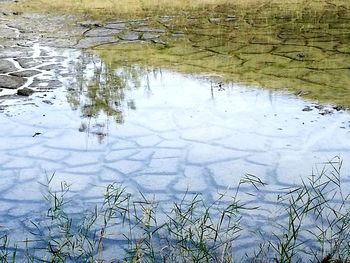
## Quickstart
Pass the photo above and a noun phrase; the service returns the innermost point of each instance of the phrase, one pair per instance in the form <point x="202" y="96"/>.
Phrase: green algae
<point x="273" y="47"/>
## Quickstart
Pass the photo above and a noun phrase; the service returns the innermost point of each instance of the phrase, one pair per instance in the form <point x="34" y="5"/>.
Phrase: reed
<point x="315" y="227"/>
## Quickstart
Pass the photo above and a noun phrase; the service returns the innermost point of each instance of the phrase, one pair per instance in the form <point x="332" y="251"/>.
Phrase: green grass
<point x="315" y="227"/>
<point x="140" y="8"/>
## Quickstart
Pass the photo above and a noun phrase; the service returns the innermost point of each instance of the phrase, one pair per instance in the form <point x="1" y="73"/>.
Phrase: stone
<point x="49" y="67"/>
<point x="6" y="66"/>
<point x="26" y="73"/>
<point x="49" y="102"/>
<point x="119" y="26"/>
<point x="101" y="32"/>
<point x="129" y="36"/>
<point x="95" y="41"/>
<point x="15" y="52"/>
<point x="147" y="36"/>
<point x="25" y="92"/>
<point x="27" y="62"/>
<point x="11" y="82"/>
<point x="149" y="30"/>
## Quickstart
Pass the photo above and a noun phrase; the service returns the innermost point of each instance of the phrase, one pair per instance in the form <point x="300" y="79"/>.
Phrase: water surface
<point x="139" y="125"/>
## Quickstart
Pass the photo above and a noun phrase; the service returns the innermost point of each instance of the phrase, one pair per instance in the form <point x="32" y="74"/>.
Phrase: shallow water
<point x="158" y="132"/>
<point x="119" y="116"/>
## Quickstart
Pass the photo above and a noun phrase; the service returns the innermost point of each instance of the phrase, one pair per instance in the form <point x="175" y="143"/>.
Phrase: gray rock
<point x="160" y="42"/>
<point x="15" y="52"/>
<point x="11" y="82"/>
<point x="49" y="102"/>
<point x="95" y="41"/>
<point x="119" y="26"/>
<point x="7" y="66"/>
<point x="101" y="32"/>
<point x="8" y="33"/>
<point x="28" y="62"/>
<point x="49" y="67"/>
<point x="25" y="92"/>
<point x="307" y="108"/>
<point x="130" y="36"/>
<point x="147" y="36"/>
<point x="25" y="73"/>
<point x="149" y="29"/>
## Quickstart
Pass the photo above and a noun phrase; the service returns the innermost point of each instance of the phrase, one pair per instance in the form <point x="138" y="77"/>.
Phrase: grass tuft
<point x="314" y="226"/>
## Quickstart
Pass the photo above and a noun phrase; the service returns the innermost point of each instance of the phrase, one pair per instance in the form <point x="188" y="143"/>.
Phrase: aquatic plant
<point x="314" y="226"/>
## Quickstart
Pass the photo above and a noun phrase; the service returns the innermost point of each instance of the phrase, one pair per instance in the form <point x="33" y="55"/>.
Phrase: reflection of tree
<point x="102" y="88"/>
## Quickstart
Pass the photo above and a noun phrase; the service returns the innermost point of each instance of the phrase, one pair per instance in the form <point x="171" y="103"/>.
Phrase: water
<point x="158" y="132"/>
<point x="101" y="118"/>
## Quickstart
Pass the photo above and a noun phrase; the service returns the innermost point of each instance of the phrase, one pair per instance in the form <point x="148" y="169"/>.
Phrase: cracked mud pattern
<point x="94" y="121"/>
<point x="307" y="54"/>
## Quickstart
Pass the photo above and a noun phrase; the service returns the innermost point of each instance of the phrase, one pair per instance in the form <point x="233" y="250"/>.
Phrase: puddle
<point x="137" y="125"/>
<point x="125" y="114"/>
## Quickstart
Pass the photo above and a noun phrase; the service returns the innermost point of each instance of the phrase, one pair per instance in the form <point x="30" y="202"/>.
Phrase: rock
<point x="49" y="102"/>
<point x="49" y="67"/>
<point x="15" y="52"/>
<point x="147" y="36"/>
<point x="95" y="41"/>
<point x="6" y="66"/>
<point x="158" y="41"/>
<point x="130" y="36"/>
<point x="119" y="26"/>
<point x="25" y="73"/>
<point x="319" y="107"/>
<point x="101" y="32"/>
<point x="149" y="30"/>
<point x="11" y="82"/>
<point x="307" y="108"/>
<point x="25" y="92"/>
<point x="326" y="112"/>
<point x="28" y="62"/>
<point x="339" y="107"/>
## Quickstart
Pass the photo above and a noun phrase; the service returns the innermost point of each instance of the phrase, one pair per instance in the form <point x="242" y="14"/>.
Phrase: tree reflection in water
<point x="104" y="90"/>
